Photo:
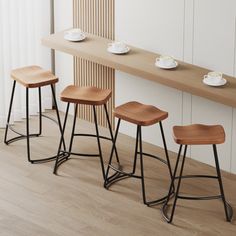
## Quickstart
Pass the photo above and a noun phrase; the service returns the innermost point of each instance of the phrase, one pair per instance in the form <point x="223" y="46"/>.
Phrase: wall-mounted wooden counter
<point x="139" y="62"/>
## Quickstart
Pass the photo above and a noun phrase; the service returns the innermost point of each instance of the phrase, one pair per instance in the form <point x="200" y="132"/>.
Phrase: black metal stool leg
<point x="58" y="160"/>
<point x="227" y="207"/>
<point x="57" y="113"/>
<point x="9" y="112"/>
<point x="166" y="150"/>
<point x="111" y="155"/>
<point x="40" y="112"/>
<point x="136" y="151"/>
<point x="27" y="135"/>
<point x="98" y="141"/>
<point x="110" y="130"/>
<point x="141" y="164"/>
<point x="27" y="124"/>
<point x="120" y="174"/>
<point x="228" y="216"/>
<point x="58" y="122"/>
<point x="164" y="207"/>
<point x="27" y="121"/>
<point x="73" y="128"/>
<point x="178" y="186"/>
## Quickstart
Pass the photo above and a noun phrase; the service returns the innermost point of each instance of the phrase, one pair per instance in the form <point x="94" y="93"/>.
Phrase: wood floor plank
<point x="33" y="201"/>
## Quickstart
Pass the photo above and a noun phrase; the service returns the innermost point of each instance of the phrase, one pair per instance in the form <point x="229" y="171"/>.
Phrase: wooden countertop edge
<point x="148" y="76"/>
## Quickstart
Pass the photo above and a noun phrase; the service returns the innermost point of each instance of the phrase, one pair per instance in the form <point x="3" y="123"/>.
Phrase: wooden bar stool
<point x="87" y="96"/>
<point x="140" y="115"/>
<point x="197" y="134"/>
<point x="31" y="77"/>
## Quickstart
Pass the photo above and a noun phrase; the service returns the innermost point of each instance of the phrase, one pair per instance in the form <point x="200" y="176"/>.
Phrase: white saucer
<point x="111" y="50"/>
<point x="75" y="39"/>
<point x="160" y="65"/>
<point x="210" y="83"/>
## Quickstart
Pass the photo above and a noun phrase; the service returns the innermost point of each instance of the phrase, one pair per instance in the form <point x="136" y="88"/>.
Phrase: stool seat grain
<point x="33" y="76"/>
<point x="140" y="114"/>
<point x="198" y="134"/>
<point x="85" y="95"/>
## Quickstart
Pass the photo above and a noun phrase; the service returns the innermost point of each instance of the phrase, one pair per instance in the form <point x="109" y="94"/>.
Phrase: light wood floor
<point x="35" y="202"/>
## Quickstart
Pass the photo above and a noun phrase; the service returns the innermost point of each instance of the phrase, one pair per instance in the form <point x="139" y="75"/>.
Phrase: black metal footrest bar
<point x="93" y="136"/>
<point x="24" y="136"/>
<point x="81" y="154"/>
<point x="64" y="155"/>
<point x="44" y="160"/>
<point x="200" y="197"/>
<point x="165" y="207"/>
<point x="197" y="176"/>
<point x="21" y="136"/>
<point x="160" y="200"/>
<point x="27" y="135"/>
<point x="61" y="159"/>
<point x="113" y="177"/>
<point x="117" y="176"/>
<point x="120" y="175"/>
<point x="153" y="156"/>
<point x="227" y="208"/>
<point x="124" y="173"/>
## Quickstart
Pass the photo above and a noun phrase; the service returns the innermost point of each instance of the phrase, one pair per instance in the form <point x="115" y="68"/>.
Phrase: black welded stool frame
<point x="64" y="155"/>
<point x="119" y="174"/>
<point x="27" y="136"/>
<point x="228" y="209"/>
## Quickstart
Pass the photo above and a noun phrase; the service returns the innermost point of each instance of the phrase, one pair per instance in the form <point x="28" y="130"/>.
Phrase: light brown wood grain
<point x="85" y="95"/>
<point x="140" y="114"/>
<point x="139" y="62"/>
<point x="197" y="134"/>
<point x="33" y="76"/>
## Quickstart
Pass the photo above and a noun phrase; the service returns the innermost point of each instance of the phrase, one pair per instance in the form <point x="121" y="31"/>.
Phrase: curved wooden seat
<point x="33" y="76"/>
<point x="140" y="114"/>
<point x="85" y="95"/>
<point x="197" y="134"/>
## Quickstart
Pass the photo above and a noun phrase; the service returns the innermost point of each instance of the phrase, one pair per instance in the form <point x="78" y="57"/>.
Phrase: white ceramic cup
<point x="165" y="60"/>
<point x="214" y="76"/>
<point x="118" y="46"/>
<point x="75" y="33"/>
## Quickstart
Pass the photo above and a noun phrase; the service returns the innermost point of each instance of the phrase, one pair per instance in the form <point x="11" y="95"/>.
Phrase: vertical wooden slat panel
<point x="96" y="17"/>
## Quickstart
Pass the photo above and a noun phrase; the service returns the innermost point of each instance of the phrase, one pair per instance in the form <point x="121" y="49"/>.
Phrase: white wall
<point x="196" y="31"/>
<point x="64" y="62"/>
<point x="202" y="32"/>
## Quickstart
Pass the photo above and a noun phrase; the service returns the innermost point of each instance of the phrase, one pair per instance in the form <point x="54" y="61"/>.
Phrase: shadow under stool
<point x="196" y="134"/>
<point x="139" y="115"/>
<point x="31" y="77"/>
<point x="90" y="96"/>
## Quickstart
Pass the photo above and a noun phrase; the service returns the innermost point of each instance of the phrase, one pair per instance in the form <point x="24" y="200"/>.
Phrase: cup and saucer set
<point x="214" y="79"/>
<point x="75" y="35"/>
<point x="166" y="62"/>
<point x="118" y="48"/>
